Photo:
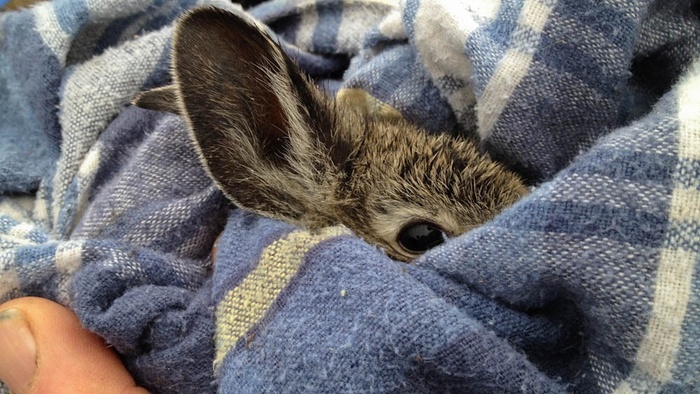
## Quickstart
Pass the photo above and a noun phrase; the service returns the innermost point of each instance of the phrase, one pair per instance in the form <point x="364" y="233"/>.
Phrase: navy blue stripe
<point x="379" y="77"/>
<point x="40" y="75"/>
<point x="287" y="28"/>
<point x="589" y="219"/>
<point x="325" y="37"/>
<point x="505" y="23"/>
<point x="127" y="131"/>
<point x="165" y="12"/>
<point x="36" y="270"/>
<point x="409" y="16"/>
<point x="568" y="58"/>
<point x="428" y="108"/>
<point x="602" y="17"/>
<point x="315" y="65"/>
<point x="637" y="167"/>
<point x="160" y="75"/>
<point x="67" y="213"/>
<point x="684" y="234"/>
<point x="71" y="16"/>
<point x="30" y="260"/>
<point x="687" y="173"/>
<point x="563" y="52"/>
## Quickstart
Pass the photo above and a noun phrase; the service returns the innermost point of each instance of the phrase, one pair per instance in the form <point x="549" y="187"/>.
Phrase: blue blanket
<point x="589" y="284"/>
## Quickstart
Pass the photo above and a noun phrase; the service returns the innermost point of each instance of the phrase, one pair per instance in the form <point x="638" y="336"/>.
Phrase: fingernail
<point x="18" y="350"/>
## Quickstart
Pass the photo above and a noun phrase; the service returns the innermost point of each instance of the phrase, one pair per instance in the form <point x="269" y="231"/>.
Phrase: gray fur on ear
<point x="262" y="128"/>
<point x="159" y="99"/>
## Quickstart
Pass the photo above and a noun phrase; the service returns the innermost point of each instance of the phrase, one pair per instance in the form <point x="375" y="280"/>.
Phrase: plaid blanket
<point x="589" y="284"/>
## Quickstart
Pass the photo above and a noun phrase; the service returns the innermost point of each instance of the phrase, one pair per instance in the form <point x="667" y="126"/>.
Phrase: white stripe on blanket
<point x="446" y="21"/>
<point x="48" y="27"/>
<point x="515" y="64"/>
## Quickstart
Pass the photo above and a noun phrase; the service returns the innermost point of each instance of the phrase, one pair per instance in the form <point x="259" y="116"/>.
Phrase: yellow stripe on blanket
<point x="247" y="304"/>
<point x="366" y="103"/>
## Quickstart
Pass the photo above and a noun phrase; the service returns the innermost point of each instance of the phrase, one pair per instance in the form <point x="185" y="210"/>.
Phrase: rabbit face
<point x="410" y="190"/>
<point x="278" y="146"/>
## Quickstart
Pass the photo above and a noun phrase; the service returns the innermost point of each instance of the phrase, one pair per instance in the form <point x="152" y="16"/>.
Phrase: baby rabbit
<point x="276" y="145"/>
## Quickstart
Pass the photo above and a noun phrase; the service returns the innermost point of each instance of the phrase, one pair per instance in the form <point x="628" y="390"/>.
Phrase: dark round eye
<point x="418" y="237"/>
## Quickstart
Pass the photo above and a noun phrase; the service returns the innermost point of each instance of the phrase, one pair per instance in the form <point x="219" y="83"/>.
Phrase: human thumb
<point x="44" y="349"/>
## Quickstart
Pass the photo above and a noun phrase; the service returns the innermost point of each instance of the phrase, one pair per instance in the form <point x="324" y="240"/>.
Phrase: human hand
<point x="45" y="350"/>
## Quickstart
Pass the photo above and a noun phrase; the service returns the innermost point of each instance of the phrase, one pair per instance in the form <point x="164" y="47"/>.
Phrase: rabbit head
<point x="276" y="145"/>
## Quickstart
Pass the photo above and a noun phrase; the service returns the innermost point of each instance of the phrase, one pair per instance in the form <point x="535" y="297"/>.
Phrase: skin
<point x="69" y="359"/>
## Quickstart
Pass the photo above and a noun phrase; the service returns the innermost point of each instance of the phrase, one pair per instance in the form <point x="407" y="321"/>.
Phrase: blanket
<point x="589" y="284"/>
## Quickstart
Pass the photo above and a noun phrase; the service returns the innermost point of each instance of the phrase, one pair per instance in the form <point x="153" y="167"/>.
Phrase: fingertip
<point x="18" y="349"/>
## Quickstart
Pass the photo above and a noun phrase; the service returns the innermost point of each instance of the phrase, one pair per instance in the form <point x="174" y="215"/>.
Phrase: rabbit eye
<point x="418" y="237"/>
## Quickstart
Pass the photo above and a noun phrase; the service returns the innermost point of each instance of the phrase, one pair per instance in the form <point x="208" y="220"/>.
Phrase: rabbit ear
<point x="159" y="99"/>
<point x="258" y="123"/>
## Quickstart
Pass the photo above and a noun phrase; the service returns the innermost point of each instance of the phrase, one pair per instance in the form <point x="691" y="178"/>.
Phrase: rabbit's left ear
<point x="259" y="124"/>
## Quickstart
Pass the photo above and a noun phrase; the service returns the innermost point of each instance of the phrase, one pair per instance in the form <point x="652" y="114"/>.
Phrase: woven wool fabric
<point x="588" y="285"/>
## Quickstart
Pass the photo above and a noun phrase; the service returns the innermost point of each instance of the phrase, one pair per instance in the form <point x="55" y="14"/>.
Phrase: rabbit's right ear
<point x="159" y="99"/>
<point x="262" y="129"/>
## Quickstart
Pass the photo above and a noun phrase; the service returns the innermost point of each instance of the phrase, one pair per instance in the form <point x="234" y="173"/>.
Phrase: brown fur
<point x="17" y="4"/>
<point x="277" y="146"/>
